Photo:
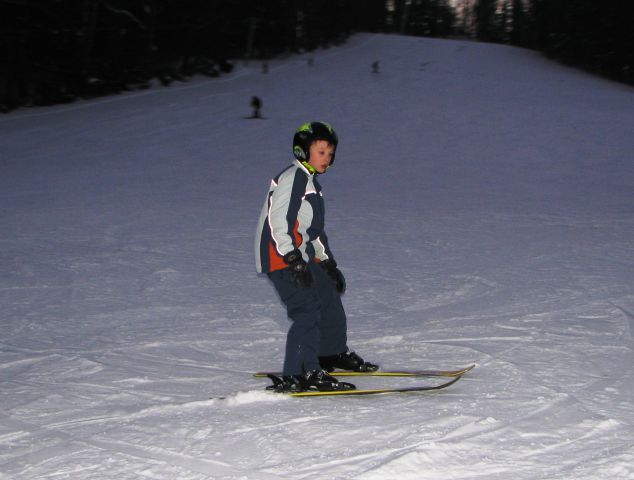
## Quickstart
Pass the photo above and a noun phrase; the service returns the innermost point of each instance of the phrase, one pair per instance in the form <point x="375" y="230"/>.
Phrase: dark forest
<point x="55" y="51"/>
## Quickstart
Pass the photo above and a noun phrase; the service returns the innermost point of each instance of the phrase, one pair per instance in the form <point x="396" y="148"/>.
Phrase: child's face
<point x="321" y="153"/>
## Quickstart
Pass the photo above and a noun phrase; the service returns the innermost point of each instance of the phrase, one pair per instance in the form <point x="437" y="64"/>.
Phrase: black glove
<point x="331" y="268"/>
<point x="300" y="275"/>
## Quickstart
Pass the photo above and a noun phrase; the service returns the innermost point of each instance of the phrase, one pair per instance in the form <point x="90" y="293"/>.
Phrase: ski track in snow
<point x="480" y="208"/>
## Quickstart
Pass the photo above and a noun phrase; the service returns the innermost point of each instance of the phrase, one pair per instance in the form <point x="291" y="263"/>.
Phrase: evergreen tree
<point x="484" y="11"/>
<point x="435" y="18"/>
<point x="594" y="35"/>
<point x="519" y="34"/>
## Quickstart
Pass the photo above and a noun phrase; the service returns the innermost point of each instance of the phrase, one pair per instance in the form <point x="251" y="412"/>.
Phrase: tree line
<point x="590" y="34"/>
<point x="55" y="51"/>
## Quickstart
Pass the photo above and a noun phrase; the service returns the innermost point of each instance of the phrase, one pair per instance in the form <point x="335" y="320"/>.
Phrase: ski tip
<point x="467" y="369"/>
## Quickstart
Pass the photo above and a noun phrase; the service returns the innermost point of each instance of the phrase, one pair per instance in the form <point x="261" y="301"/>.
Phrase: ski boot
<point x="346" y="361"/>
<point x="285" y="384"/>
<point x="315" y="381"/>
<point x="322" y="381"/>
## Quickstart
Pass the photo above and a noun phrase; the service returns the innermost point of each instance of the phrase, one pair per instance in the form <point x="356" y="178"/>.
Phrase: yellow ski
<point x="374" y="391"/>
<point x="388" y="373"/>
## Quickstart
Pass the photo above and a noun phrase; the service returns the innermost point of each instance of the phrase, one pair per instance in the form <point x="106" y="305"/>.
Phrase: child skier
<point x="291" y="247"/>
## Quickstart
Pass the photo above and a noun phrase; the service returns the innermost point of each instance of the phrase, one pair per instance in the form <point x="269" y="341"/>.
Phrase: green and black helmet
<point x="309" y="133"/>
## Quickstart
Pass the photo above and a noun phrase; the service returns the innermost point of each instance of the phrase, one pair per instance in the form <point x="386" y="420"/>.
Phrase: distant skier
<point x="291" y="247"/>
<point x="256" y="104"/>
<point x="375" y="66"/>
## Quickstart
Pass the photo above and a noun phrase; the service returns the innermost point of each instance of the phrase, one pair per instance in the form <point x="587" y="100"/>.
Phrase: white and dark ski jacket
<point x="292" y="218"/>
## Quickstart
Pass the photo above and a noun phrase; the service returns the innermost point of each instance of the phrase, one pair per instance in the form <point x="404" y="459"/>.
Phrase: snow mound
<point x="253" y="396"/>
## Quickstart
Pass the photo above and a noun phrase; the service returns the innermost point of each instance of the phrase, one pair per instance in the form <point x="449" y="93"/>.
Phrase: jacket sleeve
<point x="284" y="206"/>
<point x="322" y="248"/>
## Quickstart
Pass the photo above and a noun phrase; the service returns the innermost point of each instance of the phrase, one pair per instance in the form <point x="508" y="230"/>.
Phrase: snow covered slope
<point x="481" y="207"/>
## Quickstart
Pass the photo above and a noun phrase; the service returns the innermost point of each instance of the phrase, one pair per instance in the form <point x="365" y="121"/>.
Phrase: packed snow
<point x="481" y="207"/>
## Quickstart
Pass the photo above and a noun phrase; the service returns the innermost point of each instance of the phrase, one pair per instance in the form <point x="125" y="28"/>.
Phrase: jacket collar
<point x="304" y="168"/>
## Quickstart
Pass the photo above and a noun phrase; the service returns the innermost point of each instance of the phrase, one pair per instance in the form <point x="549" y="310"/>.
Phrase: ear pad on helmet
<point x="299" y="153"/>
